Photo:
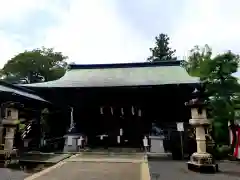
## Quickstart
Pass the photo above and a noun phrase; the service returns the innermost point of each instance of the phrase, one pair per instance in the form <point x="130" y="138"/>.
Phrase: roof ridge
<point x="125" y="65"/>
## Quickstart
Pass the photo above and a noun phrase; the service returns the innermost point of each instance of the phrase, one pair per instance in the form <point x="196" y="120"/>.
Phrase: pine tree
<point x="162" y="51"/>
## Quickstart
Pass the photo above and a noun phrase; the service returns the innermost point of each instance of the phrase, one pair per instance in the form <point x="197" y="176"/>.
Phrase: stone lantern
<point x="10" y="122"/>
<point x="201" y="160"/>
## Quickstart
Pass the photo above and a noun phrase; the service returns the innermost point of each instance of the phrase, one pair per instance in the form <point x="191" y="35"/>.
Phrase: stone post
<point x="9" y="138"/>
<point x="200" y="160"/>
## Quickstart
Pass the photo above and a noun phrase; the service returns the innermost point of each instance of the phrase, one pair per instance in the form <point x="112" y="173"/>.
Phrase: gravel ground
<point x="171" y="170"/>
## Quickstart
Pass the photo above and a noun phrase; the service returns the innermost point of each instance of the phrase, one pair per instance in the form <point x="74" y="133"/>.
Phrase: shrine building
<point x="121" y="99"/>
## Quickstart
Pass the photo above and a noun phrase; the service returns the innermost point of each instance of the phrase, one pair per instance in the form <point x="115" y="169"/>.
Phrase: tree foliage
<point x="221" y="87"/>
<point x="162" y="51"/>
<point x="35" y="66"/>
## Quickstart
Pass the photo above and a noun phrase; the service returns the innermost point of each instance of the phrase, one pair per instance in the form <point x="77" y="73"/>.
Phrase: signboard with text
<point x="180" y="126"/>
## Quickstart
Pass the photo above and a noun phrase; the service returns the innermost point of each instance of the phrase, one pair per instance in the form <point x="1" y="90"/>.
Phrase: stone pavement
<point x="93" y="170"/>
<point x="127" y="158"/>
<point x="8" y="174"/>
<point x="43" y="157"/>
<point x="101" y="167"/>
<point x="87" y="167"/>
<point x="171" y="170"/>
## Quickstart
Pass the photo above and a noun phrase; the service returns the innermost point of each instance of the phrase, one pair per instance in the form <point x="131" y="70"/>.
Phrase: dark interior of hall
<point x="164" y="105"/>
<point x="98" y="111"/>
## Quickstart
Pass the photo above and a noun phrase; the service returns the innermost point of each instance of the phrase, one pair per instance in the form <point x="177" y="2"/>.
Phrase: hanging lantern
<point x="145" y="142"/>
<point x="139" y="112"/>
<point x="118" y="139"/>
<point x="101" y="110"/>
<point x="121" y="132"/>
<point x="122" y="111"/>
<point x="133" y="112"/>
<point x="112" y="110"/>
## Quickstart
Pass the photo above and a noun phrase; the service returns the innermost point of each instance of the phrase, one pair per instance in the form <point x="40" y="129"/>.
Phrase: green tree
<point x="35" y="66"/>
<point x="221" y="87"/>
<point x="162" y="51"/>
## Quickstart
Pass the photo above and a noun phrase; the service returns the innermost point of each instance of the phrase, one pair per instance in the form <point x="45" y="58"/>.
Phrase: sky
<point x="115" y="31"/>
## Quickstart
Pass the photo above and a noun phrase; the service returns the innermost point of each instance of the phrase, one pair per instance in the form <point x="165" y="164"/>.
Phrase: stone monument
<point x="201" y="160"/>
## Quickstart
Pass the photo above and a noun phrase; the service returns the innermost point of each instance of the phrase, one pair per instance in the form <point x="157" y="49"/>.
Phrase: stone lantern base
<point x="202" y="162"/>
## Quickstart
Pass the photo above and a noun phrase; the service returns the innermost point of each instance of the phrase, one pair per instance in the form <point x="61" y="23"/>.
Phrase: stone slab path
<point x="171" y="170"/>
<point x="94" y="170"/>
<point x="43" y="157"/>
<point x="100" y="167"/>
<point x="8" y="174"/>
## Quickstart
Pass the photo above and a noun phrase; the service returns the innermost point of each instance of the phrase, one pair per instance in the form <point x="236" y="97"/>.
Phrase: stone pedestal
<point x="71" y="143"/>
<point x="9" y="138"/>
<point x="156" y="144"/>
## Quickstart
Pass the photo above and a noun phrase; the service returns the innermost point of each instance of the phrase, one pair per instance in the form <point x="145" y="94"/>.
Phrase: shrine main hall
<point x="121" y="99"/>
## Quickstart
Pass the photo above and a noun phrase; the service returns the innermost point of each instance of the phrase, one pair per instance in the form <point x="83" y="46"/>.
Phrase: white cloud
<point x="213" y="22"/>
<point x="11" y="10"/>
<point x="8" y="47"/>
<point x="15" y="11"/>
<point x="92" y="32"/>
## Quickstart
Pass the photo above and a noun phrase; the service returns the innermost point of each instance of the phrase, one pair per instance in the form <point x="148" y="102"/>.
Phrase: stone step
<point x="117" y="150"/>
<point x="94" y="170"/>
<point x="111" y="156"/>
<point x="159" y="156"/>
<point x="37" y="157"/>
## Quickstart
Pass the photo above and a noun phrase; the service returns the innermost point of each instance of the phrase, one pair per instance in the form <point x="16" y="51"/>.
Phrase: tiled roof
<point x="114" y="75"/>
<point x="16" y="90"/>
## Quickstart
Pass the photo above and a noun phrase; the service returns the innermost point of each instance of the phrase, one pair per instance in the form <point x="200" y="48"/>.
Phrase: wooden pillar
<point x="1" y="134"/>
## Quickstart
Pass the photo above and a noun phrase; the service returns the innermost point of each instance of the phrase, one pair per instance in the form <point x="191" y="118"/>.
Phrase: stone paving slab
<point x="110" y="160"/>
<point x="92" y="170"/>
<point x="111" y="155"/>
<point x="171" y="170"/>
<point x="133" y="158"/>
<point x="43" y="158"/>
<point x="8" y="174"/>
